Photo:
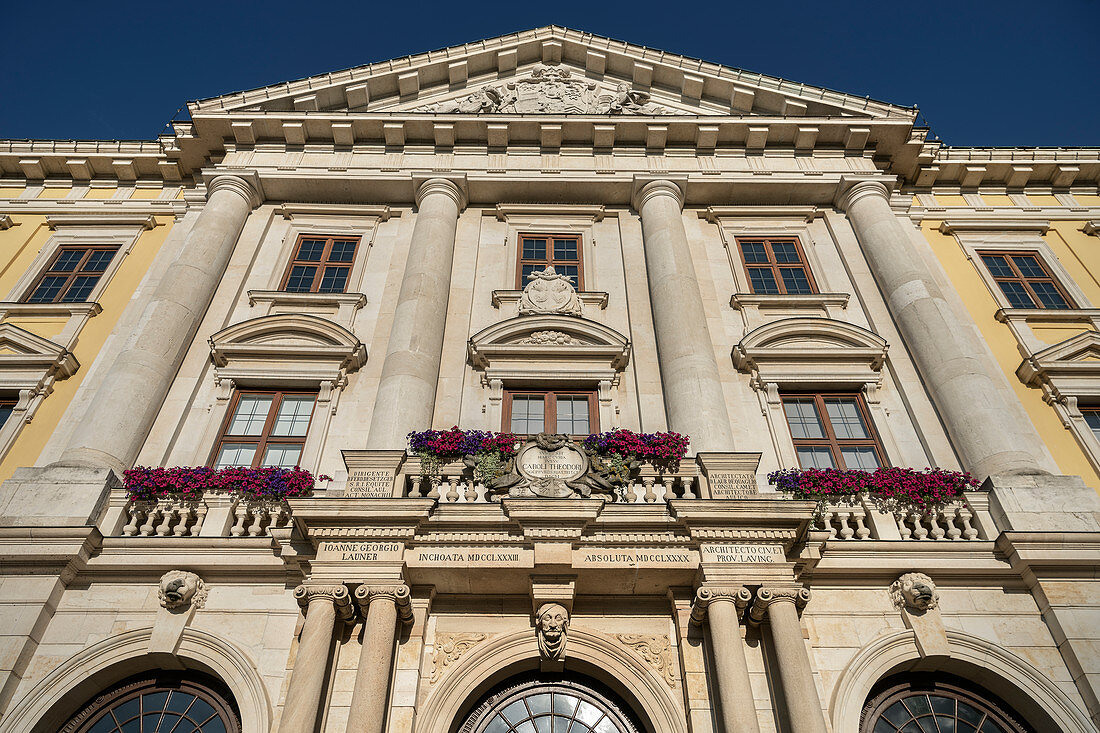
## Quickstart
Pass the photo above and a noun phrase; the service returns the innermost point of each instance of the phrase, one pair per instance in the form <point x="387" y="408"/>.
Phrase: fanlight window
<point x="938" y="707"/>
<point x="157" y="706"/>
<point x="549" y="708"/>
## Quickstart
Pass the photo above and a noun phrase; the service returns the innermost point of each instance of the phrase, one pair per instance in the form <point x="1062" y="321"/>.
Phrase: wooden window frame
<point x="11" y="403"/>
<point x="549" y="259"/>
<point x="1085" y="411"/>
<point x="320" y="264"/>
<point x="550" y="412"/>
<point x="88" y="249"/>
<point x="264" y="438"/>
<point x="831" y="441"/>
<point x="1020" y="279"/>
<point x="774" y="265"/>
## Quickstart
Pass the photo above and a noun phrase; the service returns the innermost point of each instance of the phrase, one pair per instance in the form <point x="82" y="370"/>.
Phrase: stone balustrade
<point x="966" y="519"/>
<point x="214" y="515"/>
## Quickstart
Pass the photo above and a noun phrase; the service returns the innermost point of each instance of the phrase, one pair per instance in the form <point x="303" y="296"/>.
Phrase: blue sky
<point x="983" y="73"/>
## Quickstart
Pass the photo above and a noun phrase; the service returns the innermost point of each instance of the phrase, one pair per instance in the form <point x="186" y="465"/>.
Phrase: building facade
<point x="552" y="234"/>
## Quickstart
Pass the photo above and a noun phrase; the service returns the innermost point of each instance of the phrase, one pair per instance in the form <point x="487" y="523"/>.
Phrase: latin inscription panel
<point x="490" y="557"/>
<point x="359" y="551"/>
<point x="738" y="485"/>
<point x="369" y="484"/>
<point x="630" y="557"/>
<point x="565" y="463"/>
<point x="740" y="554"/>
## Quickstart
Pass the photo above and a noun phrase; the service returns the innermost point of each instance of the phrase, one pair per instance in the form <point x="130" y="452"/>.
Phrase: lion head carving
<point x="180" y="589"/>
<point x="914" y="591"/>
<point x="551" y="626"/>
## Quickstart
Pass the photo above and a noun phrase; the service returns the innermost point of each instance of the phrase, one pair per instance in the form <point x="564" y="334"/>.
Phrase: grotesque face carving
<point x="179" y="588"/>
<point x="914" y="591"/>
<point x="551" y="626"/>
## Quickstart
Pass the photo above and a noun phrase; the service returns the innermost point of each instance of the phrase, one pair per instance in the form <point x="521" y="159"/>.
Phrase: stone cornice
<point x="988" y="223"/>
<point x="290" y="210"/>
<point x="101" y="219"/>
<point x="715" y="214"/>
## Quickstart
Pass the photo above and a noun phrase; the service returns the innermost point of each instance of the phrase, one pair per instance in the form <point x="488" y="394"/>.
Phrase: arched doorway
<point x="550" y="705"/>
<point x="937" y="702"/>
<point x="159" y="701"/>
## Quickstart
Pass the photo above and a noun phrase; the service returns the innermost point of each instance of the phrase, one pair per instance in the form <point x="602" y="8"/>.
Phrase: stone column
<point x="322" y="604"/>
<point x="410" y="374"/>
<point x="120" y="415"/>
<point x="694" y="402"/>
<point x="989" y="435"/>
<point x="723" y="606"/>
<point x="799" y="691"/>
<point x="381" y="606"/>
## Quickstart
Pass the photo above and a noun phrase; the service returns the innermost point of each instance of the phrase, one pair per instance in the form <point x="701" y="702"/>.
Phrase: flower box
<point x="901" y="487"/>
<point x="190" y="483"/>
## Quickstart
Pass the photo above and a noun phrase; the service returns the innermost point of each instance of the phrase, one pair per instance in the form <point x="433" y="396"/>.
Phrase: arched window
<point x="937" y="704"/>
<point x="159" y="703"/>
<point x="540" y="706"/>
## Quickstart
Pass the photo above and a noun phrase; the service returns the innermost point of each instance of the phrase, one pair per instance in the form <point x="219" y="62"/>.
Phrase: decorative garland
<point x="907" y="487"/>
<point x="190" y="483"/>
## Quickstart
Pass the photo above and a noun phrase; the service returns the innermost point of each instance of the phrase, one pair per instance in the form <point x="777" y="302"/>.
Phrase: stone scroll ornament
<point x="548" y="292"/>
<point x="552" y="466"/>
<point x="915" y="592"/>
<point x="180" y="589"/>
<point x="551" y="629"/>
<point x="549" y="90"/>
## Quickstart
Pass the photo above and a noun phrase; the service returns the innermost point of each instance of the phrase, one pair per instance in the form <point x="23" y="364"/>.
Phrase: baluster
<point x="862" y="530"/>
<point x="433" y="487"/>
<point x="630" y="496"/>
<point x="136" y="515"/>
<point x="259" y="513"/>
<point x="953" y="531"/>
<point x="688" y="482"/>
<point x="414" y="491"/>
<point x="240" y="511"/>
<point x="481" y="494"/>
<point x="903" y="525"/>
<point x="831" y="520"/>
<point x="167" y="513"/>
<point x="969" y="532"/>
<point x="150" y="521"/>
<point x="472" y="489"/>
<point x="200" y="516"/>
<point x="936" y="520"/>
<point x="650" y="496"/>
<point x="846" y="531"/>
<point x="919" y="530"/>
<point x="185" y="512"/>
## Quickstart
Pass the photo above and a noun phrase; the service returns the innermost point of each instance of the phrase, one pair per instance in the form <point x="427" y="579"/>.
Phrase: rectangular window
<point x="776" y="266"/>
<point x="7" y="406"/>
<point x="72" y="274"/>
<point x="537" y="251"/>
<point x="320" y="265"/>
<point x="531" y="412"/>
<point x="832" y="431"/>
<point x="1025" y="280"/>
<point x="264" y="429"/>
<point x="1092" y="419"/>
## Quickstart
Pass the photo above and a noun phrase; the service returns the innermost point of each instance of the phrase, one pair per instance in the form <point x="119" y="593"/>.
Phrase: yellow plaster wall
<point x="146" y="193"/>
<point x="100" y="193"/>
<point x="1087" y="199"/>
<point x="55" y="193"/>
<point x="1043" y="200"/>
<point x="10" y="193"/>
<point x="116" y="295"/>
<point x="19" y="245"/>
<point x="982" y="307"/>
<point x="996" y="199"/>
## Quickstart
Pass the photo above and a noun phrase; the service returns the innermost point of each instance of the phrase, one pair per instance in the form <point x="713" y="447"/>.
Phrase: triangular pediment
<point x="550" y="70"/>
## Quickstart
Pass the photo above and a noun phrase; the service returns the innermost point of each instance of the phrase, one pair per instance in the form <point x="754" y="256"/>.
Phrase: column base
<point x="56" y="496"/>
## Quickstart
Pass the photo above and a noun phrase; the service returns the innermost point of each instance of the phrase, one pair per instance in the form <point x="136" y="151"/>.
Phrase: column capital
<point x="851" y="189"/>
<point x="766" y="597"/>
<point x="247" y="185"/>
<point x="738" y="595"/>
<point x="440" y="186"/>
<point x="660" y="187"/>
<point x="337" y="595"/>
<point x="397" y="593"/>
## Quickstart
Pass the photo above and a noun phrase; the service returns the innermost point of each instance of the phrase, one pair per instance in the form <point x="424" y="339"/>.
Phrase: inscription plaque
<point x="359" y="551"/>
<point x="739" y="554"/>
<point x="618" y="557"/>
<point x="738" y="485"/>
<point x="369" y="484"/>
<point x="470" y="556"/>
<point x="566" y="463"/>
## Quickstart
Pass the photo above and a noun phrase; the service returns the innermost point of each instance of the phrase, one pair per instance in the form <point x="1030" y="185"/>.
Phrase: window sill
<point x="67" y="310"/>
<point x="589" y="298"/>
<point x="740" y="301"/>
<point x="1050" y="315"/>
